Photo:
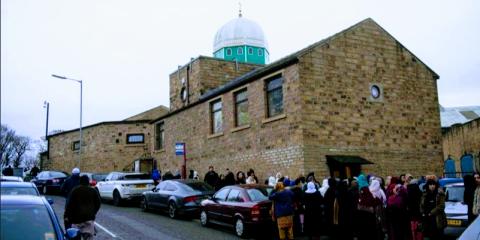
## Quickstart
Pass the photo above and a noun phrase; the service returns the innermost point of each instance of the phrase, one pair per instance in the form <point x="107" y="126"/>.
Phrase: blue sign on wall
<point x="179" y="148"/>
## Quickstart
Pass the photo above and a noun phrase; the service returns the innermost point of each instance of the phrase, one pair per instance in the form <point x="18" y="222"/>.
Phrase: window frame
<point x="75" y="144"/>
<point x="250" y="50"/>
<point x="237" y="104"/>
<point x="212" y="115"/>
<point x="267" y="81"/>
<point x="228" y="52"/>
<point x="240" y="51"/>
<point x="260" y="52"/>
<point x="135" y="134"/>
<point x="159" y="136"/>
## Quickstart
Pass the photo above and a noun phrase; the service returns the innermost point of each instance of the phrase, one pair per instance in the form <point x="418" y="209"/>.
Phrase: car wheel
<point x="172" y="210"/>
<point x="239" y="228"/>
<point x="144" y="204"/>
<point x="204" y="218"/>
<point x="117" y="199"/>
<point x="44" y="190"/>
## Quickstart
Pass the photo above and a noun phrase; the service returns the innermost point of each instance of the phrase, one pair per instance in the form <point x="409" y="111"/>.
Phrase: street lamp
<point x="81" y="93"/>
<point x="47" y="106"/>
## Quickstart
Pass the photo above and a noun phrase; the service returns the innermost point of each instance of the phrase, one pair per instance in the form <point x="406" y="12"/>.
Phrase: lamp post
<point x="81" y="93"/>
<point x="47" y="106"/>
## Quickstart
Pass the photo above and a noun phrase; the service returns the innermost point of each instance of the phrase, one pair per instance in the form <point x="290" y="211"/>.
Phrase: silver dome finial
<point x="239" y="9"/>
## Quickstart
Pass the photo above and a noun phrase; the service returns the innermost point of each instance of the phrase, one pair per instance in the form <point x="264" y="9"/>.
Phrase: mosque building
<point x="356" y="101"/>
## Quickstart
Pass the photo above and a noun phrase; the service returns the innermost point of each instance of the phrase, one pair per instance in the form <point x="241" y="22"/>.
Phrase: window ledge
<point x="215" y="135"/>
<point x="273" y="119"/>
<point x="159" y="150"/>
<point x="240" y="128"/>
<point x="135" y="145"/>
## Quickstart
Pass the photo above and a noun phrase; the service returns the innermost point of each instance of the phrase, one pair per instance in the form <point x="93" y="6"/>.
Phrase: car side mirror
<point x="49" y="200"/>
<point x="72" y="233"/>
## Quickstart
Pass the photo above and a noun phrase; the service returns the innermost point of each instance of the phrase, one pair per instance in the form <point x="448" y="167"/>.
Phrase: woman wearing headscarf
<point x="432" y="207"/>
<point x="329" y="199"/>
<point x="313" y="212"/>
<point x="366" y="211"/>
<point x="324" y="187"/>
<point x="283" y="210"/>
<point x="398" y="214"/>
<point x="378" y="193"/>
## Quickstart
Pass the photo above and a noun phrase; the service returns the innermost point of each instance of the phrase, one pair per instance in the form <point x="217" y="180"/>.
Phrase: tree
<point x="20" y="145"/>
<point x="7" y="137"/>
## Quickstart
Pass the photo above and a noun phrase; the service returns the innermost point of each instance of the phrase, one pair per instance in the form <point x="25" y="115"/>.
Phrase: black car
<point x="177" y="196"/>
<point x="30" y="217"/>
<point x="49" y="181"/>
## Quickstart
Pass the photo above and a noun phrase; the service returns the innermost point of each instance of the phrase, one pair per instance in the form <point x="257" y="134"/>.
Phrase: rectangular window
<point x="159" y="136"/>
<point x="76" y="146"/>
<point x="241" y="108"/>
<point x="217" y="119"/>
<point x="274" y="96"/>
<point x="135" y="138"/>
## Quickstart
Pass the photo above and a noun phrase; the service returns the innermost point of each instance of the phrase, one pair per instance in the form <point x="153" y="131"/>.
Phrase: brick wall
<point x="100" y="152"/>
<point x="400" y="132"/>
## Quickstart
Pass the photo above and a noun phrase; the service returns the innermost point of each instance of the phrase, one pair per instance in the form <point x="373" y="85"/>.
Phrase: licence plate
<point x="140" y="186"/>
<point x="454" y="222"/>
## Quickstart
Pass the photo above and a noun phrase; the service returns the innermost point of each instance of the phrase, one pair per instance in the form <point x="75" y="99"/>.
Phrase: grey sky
<point x="124" y="51"/>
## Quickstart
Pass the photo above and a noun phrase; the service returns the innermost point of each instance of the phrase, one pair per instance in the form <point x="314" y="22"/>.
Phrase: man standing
<point x="211" y="178"/>
<point x="81" y="208"/>
<point x="35" y="170"/>
<point x="71" y="182"/>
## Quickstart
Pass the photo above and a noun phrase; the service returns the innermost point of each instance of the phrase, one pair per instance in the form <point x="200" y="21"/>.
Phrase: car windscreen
<point x="26" y="222"/>
<point x="99" y="177"/>
<point x="57" y="175"/>
<point x="198" y="186"/>
<point x="18" y="191"/>
<point x="136" y="176"/>
<point x="258" y="194"/>
<point x="455" y="194"/>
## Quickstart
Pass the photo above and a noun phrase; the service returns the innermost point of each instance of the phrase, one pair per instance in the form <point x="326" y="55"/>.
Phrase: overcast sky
<point x="124" y="51"/>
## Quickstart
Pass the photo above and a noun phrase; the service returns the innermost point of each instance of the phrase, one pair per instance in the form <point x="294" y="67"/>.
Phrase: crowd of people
<point x="363" y="207"/>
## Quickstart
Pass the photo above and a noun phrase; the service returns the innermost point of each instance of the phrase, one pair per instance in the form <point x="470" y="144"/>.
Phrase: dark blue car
<point x="30" y="217"/>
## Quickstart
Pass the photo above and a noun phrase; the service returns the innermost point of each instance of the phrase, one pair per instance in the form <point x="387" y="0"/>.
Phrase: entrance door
<point x="345" y="166"/>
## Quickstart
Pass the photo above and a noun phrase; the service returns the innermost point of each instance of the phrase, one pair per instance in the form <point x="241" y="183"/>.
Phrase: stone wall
<point x="462" y="138"/>
<point x="104" y="147"/>
<point x="203" y="74"/>
<point x="266" y="145"/>
<point x="399" y="131"/>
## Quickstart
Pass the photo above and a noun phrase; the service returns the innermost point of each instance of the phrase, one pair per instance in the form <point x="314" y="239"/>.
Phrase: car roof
<point x="11" y="178"/>
<point x="22" y="200"/>
<point x="454" y="185"/>
<point x="17" y="184"/>
<point x="445" y="181"/>
<point x="250" y="186"/>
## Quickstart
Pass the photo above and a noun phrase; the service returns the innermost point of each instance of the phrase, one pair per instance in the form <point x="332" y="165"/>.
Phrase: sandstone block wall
<point x="266" y="145"/>
<point x="460" y="139"/>
<point x="104" y="148"/>
<point x="399" y="132"/>
<point x="201" y="75"/>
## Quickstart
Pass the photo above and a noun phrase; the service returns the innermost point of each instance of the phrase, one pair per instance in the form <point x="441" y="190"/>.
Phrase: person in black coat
<point x="329" y="201"/>
<point x="468" y="195"/>
<point x="71" y="182"/>
<point x="211" y="177"/>
<point x="81" y="208"/>
<point x="313" y="212"/>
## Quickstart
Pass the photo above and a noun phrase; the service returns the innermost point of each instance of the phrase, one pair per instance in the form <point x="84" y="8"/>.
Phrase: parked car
<point x="49" y="181"/>
<point x="30" y="217"/>
<point x="472" y="232"/>
<point x="245" y="207"/>
<point x="455" y="209"/>
<point x="94" y="177"/>
<point x="177" y="196"/>
<point x="18" y="188"/>
<point x="120" y="186"/>
<point x="11" y="179"/>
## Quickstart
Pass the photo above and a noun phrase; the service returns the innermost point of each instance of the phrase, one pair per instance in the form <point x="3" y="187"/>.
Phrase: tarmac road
<point x="130" y="222"/>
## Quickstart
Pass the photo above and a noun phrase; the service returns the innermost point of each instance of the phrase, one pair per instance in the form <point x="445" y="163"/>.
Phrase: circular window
<point x="183" y="94"/>
<point x="375" y="91"/>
